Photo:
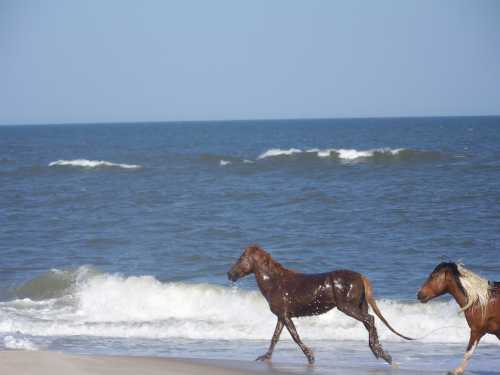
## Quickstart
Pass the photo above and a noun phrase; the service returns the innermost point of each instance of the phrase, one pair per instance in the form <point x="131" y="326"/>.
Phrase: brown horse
<point x="291" y="294"/>
<point x="478" y="298"/>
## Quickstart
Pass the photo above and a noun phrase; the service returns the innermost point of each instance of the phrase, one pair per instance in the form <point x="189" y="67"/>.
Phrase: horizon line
<point x="76" y="123"/>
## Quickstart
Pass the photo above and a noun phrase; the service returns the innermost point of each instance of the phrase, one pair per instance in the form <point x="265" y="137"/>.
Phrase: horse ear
<point x="260" y="256"/>
<point x="249" y="250"/>
<point x="256" y="247"/>
<point x="256" y="252"/>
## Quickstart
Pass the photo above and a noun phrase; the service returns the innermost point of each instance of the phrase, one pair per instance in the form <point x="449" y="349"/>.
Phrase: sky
<point x="132" y="61"/>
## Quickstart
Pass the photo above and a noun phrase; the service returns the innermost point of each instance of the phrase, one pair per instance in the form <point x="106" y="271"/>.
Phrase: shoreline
<point x="13" y="362"/>
<point x="49" y="363"/>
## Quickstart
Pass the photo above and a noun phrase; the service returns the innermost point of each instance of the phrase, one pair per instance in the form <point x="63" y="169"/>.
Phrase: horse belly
<point x="315" y="307"/>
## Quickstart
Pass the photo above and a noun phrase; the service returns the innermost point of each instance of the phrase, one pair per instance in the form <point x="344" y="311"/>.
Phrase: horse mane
<point x="267" y="260"/>
<point x="477" y="289"/>
<point x="453" y="268"/>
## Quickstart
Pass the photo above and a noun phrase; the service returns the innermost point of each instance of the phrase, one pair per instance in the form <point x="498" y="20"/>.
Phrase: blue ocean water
<point x="116" y="238"/>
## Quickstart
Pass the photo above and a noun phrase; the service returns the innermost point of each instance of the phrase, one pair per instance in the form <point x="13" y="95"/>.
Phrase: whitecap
<point x="341" y="153"/>
<point x="279" y="152"/>
<point x="85" y="163"/>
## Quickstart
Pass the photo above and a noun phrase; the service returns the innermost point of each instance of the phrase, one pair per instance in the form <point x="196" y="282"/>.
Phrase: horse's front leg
<point x="475" y="336"/>
<point x="276" y="336"/>
<point x="291" y="328"/>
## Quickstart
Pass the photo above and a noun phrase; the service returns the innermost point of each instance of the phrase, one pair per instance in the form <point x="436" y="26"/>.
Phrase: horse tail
<point x="376" y="310"/>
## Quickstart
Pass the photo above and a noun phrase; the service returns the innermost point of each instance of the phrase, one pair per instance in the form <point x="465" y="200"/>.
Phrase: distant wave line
<point x="347" y="154"/>
<point x="344" y="155"/>
<point x="85" y="163"/>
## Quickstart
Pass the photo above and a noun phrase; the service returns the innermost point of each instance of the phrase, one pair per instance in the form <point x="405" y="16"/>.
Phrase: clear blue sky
<point x="116" y="60"/>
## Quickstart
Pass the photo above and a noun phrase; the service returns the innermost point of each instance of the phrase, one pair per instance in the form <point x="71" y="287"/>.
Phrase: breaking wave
<point x="340" y="155"/>
<point x="279" y="152"/>
<point x="84" y="163"/>
<point x="352" y="154"/>
<point x="10" y="342"/>
<point x="109" y="305"/>
<point x="54" y="283"/>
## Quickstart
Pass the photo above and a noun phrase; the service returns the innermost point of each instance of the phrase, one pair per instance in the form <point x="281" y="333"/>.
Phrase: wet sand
<point x="53" y="363"/>
<point x="13" y="362"/>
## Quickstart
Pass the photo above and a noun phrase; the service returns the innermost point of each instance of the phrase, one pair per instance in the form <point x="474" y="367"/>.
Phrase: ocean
<point x="116" y="238"/>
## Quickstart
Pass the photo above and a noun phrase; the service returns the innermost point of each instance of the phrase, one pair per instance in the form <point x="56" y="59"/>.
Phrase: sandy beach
<point x="13" y="362"/>
<point x="47" y="363"/>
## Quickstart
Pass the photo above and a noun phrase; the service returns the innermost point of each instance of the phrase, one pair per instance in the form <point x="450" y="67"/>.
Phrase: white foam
<point x="224" y="162"/>
<point x="279" y="152"/>
<point x="84" y="163"/>
<point x="11" y="342"/>
<point x="353" y="154"/>
<point x="345" y="154"/>
<point x="116" y="306"/>
<point x="324" y="153"/>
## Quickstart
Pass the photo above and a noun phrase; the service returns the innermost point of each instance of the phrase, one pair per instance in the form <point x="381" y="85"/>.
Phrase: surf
<point x="88" y="303"/>
<point x="85" y="163"/>
<point x="342" y="156"/>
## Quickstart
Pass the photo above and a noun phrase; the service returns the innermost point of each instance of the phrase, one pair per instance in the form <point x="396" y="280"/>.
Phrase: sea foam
<point x="84" y="163"/>
<point x="141" y="306"/>
<point x="346" y="154"/>
<point x="279" y="152"/>
<point x="10" y="342"/>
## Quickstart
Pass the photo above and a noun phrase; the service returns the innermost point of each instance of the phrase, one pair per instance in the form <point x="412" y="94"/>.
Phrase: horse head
<point x="437" y="283"/>
<point x="245" y="264"/>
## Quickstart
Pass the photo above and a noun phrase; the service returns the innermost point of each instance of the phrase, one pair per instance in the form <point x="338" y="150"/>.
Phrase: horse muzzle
<point x="422" y="298"/>
<point x="232" y="276"/>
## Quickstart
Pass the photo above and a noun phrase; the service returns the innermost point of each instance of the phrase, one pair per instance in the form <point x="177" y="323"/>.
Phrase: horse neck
<point x="457" y="293"/>
<point x="268" y="274"/>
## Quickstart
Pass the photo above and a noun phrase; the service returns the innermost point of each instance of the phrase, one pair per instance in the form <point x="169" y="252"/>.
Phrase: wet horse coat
<point x="291" y="294"/>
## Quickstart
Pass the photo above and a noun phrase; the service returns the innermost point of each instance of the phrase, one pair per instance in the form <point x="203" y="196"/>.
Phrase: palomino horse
<point x="478" y="298"/>
<point x="291" y="294"/>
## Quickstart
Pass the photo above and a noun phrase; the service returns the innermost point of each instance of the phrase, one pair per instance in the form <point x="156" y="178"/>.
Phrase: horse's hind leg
<point x="276" y="336"/>
<point x="293" y="332"/>
<point x="360" y="313"/>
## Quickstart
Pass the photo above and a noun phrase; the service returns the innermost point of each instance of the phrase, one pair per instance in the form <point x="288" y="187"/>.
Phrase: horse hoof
<point x="263" y="358"/>
<point x="388" y="358"/>
<point x="385" y="356"/>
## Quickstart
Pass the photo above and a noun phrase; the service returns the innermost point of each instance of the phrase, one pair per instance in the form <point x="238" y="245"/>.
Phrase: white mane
<point x="476" y="288"/>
